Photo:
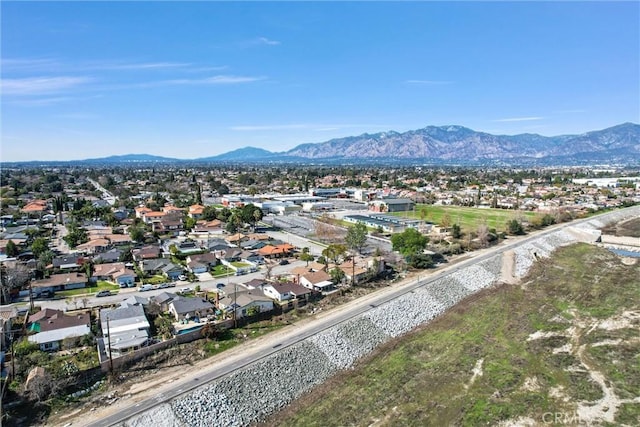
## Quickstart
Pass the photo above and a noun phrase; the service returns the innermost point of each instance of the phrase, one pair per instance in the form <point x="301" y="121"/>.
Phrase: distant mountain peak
<point x="245" y="153"/>
<point x="453" y="142"/>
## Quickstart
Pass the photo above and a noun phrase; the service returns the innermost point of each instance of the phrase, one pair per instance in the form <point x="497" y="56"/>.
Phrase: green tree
<point x="189" y="223"/>
<point x="39" y="246"/>
<point x="337" y="275"/>
<point x="136" y="233"/>
<point x="306" y="256"/>
<point x="334" y="252"/>
<point x="456" y="231"/>
<point x="11" y="249"/>
<point x="356" y="237"/>
<point x="409" y="242"/>
<point x="209" y="213"/>
<point x="76" y="236"/>
<point x="515" y="227"/>
<point x="422" y="261"/>
<point x="164" y="327"/>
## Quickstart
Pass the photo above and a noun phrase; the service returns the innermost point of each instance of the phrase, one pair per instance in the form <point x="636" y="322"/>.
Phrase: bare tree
<point x="483" y="235"/>
<point x="445" y="221"/>
<point x="12" y="277"/>
<point x="325" y="231"/>
<point x="268" y="265"/>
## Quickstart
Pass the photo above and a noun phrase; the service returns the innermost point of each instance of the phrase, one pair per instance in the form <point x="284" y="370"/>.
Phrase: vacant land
<point x="630" y="228"/>
<point x="468" y="218"/>
<point x="562" y="346"/>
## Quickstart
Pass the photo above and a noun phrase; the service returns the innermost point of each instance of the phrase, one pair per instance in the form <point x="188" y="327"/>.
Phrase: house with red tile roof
<point x="141" y="210"/>
<point x="36" y="206"/>
<point x="196" y="211"/>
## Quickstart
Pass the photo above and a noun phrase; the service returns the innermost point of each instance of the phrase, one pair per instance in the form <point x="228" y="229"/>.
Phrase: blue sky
<point x="196" y="79"/>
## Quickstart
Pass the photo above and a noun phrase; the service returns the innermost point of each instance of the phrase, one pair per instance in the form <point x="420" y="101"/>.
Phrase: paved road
<point x="298" y="332"/>
<point x="106" y="195"/>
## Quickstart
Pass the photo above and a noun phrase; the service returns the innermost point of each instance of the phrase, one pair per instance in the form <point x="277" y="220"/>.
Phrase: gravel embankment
<point x="405" y="313"/>
<point x="160" y="416"/>
<point x="259" y="389"/>
<point x="252" y="393"/>
<point x="344" y="344"/>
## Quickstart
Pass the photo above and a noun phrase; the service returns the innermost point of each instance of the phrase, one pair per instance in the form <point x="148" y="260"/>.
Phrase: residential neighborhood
<point x="113" y="275"/>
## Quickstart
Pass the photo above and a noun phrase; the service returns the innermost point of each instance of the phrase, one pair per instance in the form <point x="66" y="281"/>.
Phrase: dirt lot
<point x="630" y="228"/>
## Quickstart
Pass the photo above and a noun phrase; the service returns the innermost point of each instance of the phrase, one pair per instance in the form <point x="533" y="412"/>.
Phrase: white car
<point x="182" y="277"/>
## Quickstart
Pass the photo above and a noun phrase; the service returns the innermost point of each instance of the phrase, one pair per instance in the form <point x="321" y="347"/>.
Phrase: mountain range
<point x="440" y="145"/>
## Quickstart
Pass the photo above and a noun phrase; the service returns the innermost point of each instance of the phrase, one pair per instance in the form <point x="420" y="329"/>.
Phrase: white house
<point x="124" y="329"/>
<point x="51" y="327"/>
<point x="285" y="291"/>
<point x="318" y="281"/>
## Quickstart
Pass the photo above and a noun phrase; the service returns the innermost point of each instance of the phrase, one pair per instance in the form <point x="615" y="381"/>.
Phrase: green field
<point x="427" y="378"/>
<point x="468" y="218"/>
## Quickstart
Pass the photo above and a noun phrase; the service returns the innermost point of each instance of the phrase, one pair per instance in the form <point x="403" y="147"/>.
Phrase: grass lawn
<point x="240" y="264"/>
<point x="429" y="377"/>
<point x="468" y="218"/>
<point x="222" y="271"/>
<point x="94" y="288"/>
<point x="155" y="280"/>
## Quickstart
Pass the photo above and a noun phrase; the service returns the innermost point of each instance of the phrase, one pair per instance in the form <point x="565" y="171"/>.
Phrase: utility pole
<point x="353" y="271"/>
<point x="109" y="343"/>
<point x="235" y="305"/>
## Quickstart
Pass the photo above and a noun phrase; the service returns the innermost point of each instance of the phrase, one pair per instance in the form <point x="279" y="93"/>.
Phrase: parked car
<point x="220" y="285"/>
<point x="104" y="293"/>
<point x="146" y="287"/>
<point x="284" y="262"/>
<point x="185" y="290"/>
<point x="182" y="277"/>
<point x="46" y="294"/>
<point x="165" y="285"/>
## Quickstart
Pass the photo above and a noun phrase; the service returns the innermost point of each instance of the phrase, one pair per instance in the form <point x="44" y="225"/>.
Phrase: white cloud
<point x="77" y="116"/>
<point x="41" y="85"/>
<point x="518" y="119"/>
<point x="40" y="102"/>
<point x="48" y="65"/>
<point x="28" y="64"/>
<point x="264" y="40"/>
<point x="429" y="82"/>
<point x="214" y="80"/>
<point x="269" y="127"/>
<point x="136" y="66"/>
